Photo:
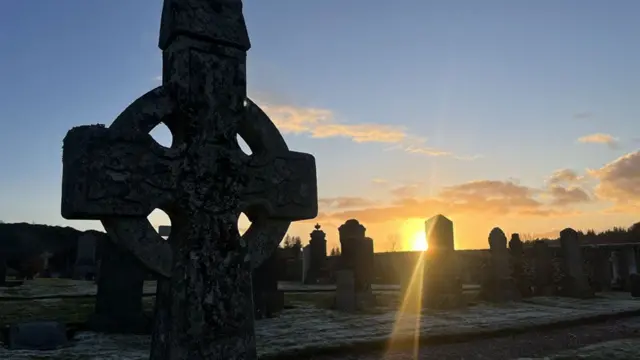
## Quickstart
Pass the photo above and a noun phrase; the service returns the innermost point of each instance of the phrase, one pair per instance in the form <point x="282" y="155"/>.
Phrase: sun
<point x="419" y="241"/>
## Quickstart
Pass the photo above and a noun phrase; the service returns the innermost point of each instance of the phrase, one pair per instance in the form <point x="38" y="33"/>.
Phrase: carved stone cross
<point x="119" y="174"/>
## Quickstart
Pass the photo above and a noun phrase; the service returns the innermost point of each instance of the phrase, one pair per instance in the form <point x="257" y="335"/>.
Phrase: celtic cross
<point x="119" y="174"/>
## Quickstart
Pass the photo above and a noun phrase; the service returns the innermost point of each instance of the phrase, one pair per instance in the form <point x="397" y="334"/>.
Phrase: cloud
<point x="321" y="123"/>
<point x="582" y="115"/>
<point x="482" y="197"/>
<point x="406" y="191"/>
<point x="379" y="181"/>
<point x="599" y="138"/>
<point x="344" y="202"/>
<point x="563" y="196"/>
<point x="157" y="78"/>
<point x="620" y="181"/>
<point x="563" y="176"/>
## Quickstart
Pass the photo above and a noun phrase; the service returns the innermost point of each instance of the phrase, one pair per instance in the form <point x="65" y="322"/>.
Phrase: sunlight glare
<point x="419" y="242"/>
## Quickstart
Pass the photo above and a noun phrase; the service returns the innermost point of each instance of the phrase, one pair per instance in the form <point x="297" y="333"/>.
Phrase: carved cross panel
<point x="119" y="174"/>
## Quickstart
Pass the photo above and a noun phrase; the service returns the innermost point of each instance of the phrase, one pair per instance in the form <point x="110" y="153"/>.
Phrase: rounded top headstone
<point x="352" y="228"/>
<point x="568" y="233"/>
<point x="497" y="238"/>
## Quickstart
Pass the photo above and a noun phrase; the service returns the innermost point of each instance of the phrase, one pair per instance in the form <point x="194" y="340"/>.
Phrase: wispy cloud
<point x="321" y="123"/>
<point x="599" y="138"/>
<point x="582" y="115"/>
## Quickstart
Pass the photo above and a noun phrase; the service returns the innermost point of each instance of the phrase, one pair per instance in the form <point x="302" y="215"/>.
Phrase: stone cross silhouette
<point x="119" y="174"/>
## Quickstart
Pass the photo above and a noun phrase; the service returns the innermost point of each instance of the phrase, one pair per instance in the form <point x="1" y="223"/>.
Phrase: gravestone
<point x="346" y="299"/>
<point x="575" y="280"/>
<point x="631" y="262"/>
<point x="543" y="269"/>
<point x="516" y="251"/>
<point x="85" y="264"/>
<point x="3" y="270"/>
<point x="37" y="335"/>
<point x="599" y="269"/>
<point x="119" y="307"/>
<point x="306" y="263"/>
<point x="498" y="285"/>
<point x="46" y="269"/>
<point x="267" y="299"/>
<point x="355" y="252"/>
<point x="203" y="182"/>
<point x="617" y="282"/>
<point x="316" y="266"/>
<point x="442" y="287"/>
<point x="634" y="285"/>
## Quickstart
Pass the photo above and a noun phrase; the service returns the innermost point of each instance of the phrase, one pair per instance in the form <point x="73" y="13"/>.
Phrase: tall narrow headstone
<point x="267" y="299"/>
<point x="346" y="298"/>
<point x="543" y="269"/>
<point x="516" y="250"/>
<point x="203" y="182"/>
<point x="616" y="273"/>
<point x="352" y="243"/>
<point x="575" y="280"/>
<point x="498" y="285"/>
<point x="442" y="286"/>
<point x="118" y="306"/>
<point x="306" y="264"/>
<point x="317" y="256"/>
<point x="85" y="265"/>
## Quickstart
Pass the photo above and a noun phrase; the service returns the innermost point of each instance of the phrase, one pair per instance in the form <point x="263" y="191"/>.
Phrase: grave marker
<point x="576" y="283"/>
<point x="203" y="182"/>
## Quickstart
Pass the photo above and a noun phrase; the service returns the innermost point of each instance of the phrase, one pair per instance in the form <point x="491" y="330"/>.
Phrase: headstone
<point x="543" y="269"/>
<point x="634" y="285"/>
<point x="85" y="265"/>
<point x="37" y="335"/>
<point x="204" y="181"/>
<point x="316" y="266"/>
<point x="46" y="270"/>
<point x="306" y="264"/>
<point x="630" y="254"/>
<point x="498" y="285"/>
<point x="516" y="250"/>
<point x="600" y="268"/>
<point x="3" y="270"/>
<point x="442" y="287"/>
<point x="616" y="266"/>
<point x="118" y="306"/>
<point x="345" y="291"/>
<point x="266" y="296"/>
<point x="356" y="253"/>
<point x="575" y="280"/>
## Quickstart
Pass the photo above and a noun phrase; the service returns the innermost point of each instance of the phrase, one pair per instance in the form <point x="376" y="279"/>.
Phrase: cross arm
<point x="283" y="186"/>
<point x="114" y="173"/>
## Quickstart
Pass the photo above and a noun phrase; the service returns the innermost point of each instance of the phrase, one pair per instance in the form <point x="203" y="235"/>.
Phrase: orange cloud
<point x="321" y="123"/>
<point x="344" y="202"/>
<point x="561" y="176"/>
<point x="485" y="197"/>
<point x="599" y="138"/>
<point x="620" y="181"/>
<point x="563" y="196"/>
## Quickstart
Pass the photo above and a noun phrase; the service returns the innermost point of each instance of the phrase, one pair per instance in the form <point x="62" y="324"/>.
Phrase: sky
<point x="496" y="113"/>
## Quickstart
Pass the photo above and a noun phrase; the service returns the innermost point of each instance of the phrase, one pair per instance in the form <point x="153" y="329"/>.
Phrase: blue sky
<point x="412" y="97"/>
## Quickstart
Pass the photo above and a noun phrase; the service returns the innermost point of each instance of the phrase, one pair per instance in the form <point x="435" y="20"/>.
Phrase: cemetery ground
<point x="308" y="326"/>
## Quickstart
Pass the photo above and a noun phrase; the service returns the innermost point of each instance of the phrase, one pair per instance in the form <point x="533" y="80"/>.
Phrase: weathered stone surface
<point x="575" y="281"/>
<point x="37" y="335"/>
<point x="203" y="182"/>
